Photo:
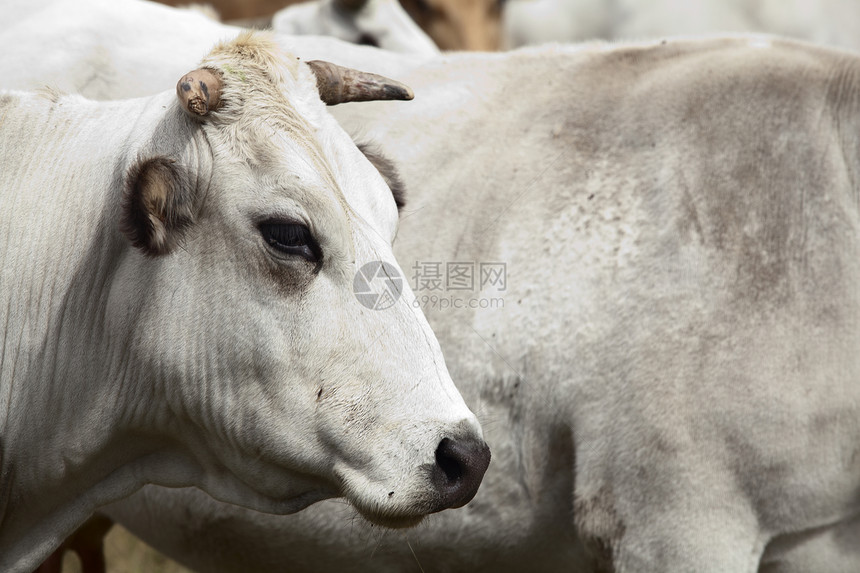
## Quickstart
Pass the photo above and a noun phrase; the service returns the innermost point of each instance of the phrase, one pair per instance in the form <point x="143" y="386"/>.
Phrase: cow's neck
<point x="67" y="439"/>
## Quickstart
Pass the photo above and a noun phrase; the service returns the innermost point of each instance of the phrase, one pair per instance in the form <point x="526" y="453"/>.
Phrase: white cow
<point x="526" y="22"/>
<point x="673" y="383"/>
<point x="200" y="321"/>
<point x="381" y="23"/>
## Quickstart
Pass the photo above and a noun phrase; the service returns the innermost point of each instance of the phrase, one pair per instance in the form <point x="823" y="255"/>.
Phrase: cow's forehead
<point x="267" y="98"/>
<point x="271" y="118"/>
<point x="270" y="114"/>
<point x="254" y="59"/>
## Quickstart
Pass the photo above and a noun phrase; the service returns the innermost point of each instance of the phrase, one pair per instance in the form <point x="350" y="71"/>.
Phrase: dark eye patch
<point x="388" y="170"/>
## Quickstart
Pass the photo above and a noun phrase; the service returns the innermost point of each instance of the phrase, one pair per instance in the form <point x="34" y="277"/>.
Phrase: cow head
<point x="252" y="237"/>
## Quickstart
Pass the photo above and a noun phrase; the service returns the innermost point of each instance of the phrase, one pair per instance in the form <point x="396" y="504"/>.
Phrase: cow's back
<point x="679" y="225"/>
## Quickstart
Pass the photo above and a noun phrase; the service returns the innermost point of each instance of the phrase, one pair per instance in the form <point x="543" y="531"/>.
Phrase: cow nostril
<point x="460" y="467"/>
<point x="450" y="465"/>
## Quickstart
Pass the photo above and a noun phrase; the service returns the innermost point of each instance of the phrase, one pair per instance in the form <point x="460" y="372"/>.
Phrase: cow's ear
<point x="157" y="206"/>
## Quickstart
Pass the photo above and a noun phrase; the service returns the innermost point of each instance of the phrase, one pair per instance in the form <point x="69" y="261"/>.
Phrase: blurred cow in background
<point x="495" y="24"/>
<point x="451" y="24"/>
<point x="239" y="9"/>
<point x="380" y="23"/>
<point x="526" y="22"/>
<point x="459" y="24"/>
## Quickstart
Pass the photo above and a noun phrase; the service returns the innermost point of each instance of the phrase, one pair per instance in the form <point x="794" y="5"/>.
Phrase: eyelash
<point x="292" y="239"/>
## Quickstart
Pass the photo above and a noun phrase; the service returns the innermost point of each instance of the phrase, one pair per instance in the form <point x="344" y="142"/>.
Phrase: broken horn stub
<point x="338" y="84"/>
<point x="199" y="92"/>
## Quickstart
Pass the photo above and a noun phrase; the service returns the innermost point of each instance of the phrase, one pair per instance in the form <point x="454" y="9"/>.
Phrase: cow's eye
<point x="291" y="239"/>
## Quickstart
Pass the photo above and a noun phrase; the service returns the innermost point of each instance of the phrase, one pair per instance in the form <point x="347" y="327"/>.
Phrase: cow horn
<point x="199" y="92"/>
<point x="337" y="84"/>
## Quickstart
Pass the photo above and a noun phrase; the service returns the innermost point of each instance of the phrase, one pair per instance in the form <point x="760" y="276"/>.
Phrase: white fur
<point x="529" y="22"/>
<point x="611" y="317"/>
<point x="259" y="379"/>
<point x="81" y="46"/>
<point x="647" y="384"/>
